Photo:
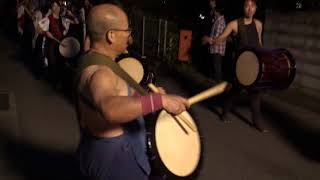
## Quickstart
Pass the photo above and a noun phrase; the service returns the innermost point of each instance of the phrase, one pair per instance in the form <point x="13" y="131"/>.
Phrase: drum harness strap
<point x="100" y="59"/>
<point x="94" y="58"/>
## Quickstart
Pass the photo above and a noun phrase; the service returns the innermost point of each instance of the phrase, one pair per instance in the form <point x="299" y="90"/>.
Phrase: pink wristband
<point x="151" y="103"/>
<point x="135" y="94"/>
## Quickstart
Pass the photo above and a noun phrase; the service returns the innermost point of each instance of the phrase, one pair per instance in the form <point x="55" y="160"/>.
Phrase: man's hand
<point x="161" y="90"/>
<point x="214" y="41"/>
<point x="206" y="40"/>
<point x="174" y="104"/>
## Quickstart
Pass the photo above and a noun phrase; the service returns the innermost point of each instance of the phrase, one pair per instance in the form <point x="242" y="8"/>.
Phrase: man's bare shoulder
<point x="99" y="74"/>
<point x="233" y="23"/>
<point x="102" y="73"/>
<point x="258" y="22"/>
<point x="232" y="27"/>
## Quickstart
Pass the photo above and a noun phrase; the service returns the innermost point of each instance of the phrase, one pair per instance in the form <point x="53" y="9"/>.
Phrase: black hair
<point x="55" y="1"/>
<point x="246" y="1"/>
<point x="219" y="7"/>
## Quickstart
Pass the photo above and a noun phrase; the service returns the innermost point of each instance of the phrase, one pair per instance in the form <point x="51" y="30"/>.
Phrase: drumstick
<point x="51" y="37"/>
<point x="57" y="40"/>
<point x="208" y="93"/>
<point x="181" y="117"/>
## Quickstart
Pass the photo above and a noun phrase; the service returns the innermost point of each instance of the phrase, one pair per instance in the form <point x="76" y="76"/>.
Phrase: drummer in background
<point x="112" y="145"/>
<point x="68" y="17"/>
<point x="20" y="17"/>
<point x="54" y="34"/>
<point x="86" y="6"/>
<point x="84" y="11"/>
<point x="26" y="16"/>
<point x="248" y="32"/>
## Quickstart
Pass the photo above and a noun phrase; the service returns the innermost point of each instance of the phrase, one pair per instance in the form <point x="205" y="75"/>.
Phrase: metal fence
<point x="154" y="37"/>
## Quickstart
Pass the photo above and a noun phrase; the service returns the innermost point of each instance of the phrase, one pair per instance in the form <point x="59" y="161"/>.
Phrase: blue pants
<point x="110" y="159"/>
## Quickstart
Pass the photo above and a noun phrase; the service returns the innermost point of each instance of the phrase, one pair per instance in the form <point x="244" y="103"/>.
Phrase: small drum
<point x="174" y="149"/>
<point x="258" y="68"/>
<point x="137" y="69"/>
<point x="133" y="67"/>
<point x="69" y="47"/>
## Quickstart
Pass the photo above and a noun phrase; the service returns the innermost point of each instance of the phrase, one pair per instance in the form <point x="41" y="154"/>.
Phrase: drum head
<point x="179" y="151"/>
<point x="69" y="47"/>
<point x="247" y="68"/>
<point x="133" y="67"/>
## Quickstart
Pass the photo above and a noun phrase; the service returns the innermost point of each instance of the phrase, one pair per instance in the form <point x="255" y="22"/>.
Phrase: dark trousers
<point x="255" y="104"/>
<point x="28" y="33"/>
<point x="55" y="63"/>
<point x="216" y="66"/>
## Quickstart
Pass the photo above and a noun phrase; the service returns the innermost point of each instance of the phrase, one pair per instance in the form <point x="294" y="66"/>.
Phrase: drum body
<point x="174" y="149"/>
<point x="258" y="68"/>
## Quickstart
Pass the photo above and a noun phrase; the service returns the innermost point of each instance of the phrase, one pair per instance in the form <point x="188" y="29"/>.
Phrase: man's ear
<point x="110" y="37"/>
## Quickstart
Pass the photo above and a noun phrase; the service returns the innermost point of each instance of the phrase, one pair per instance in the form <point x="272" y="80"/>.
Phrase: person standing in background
<point x="216" y="51"/>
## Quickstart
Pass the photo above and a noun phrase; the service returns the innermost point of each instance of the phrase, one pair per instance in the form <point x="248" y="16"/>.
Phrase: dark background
<point x="182" y="11"/>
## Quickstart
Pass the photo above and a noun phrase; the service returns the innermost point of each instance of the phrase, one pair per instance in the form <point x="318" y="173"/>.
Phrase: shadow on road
<point x="35" y="163"/>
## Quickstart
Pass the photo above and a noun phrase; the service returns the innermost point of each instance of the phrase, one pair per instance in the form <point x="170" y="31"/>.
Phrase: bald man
<point x="112" y="143"/>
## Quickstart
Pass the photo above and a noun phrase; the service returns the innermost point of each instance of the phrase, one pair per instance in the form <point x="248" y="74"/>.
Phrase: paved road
<point x="39" y="133"/>
<point x="238" y="151"/>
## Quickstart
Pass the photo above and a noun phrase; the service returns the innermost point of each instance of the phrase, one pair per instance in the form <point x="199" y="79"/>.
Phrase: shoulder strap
<point x="100" y="59"/>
